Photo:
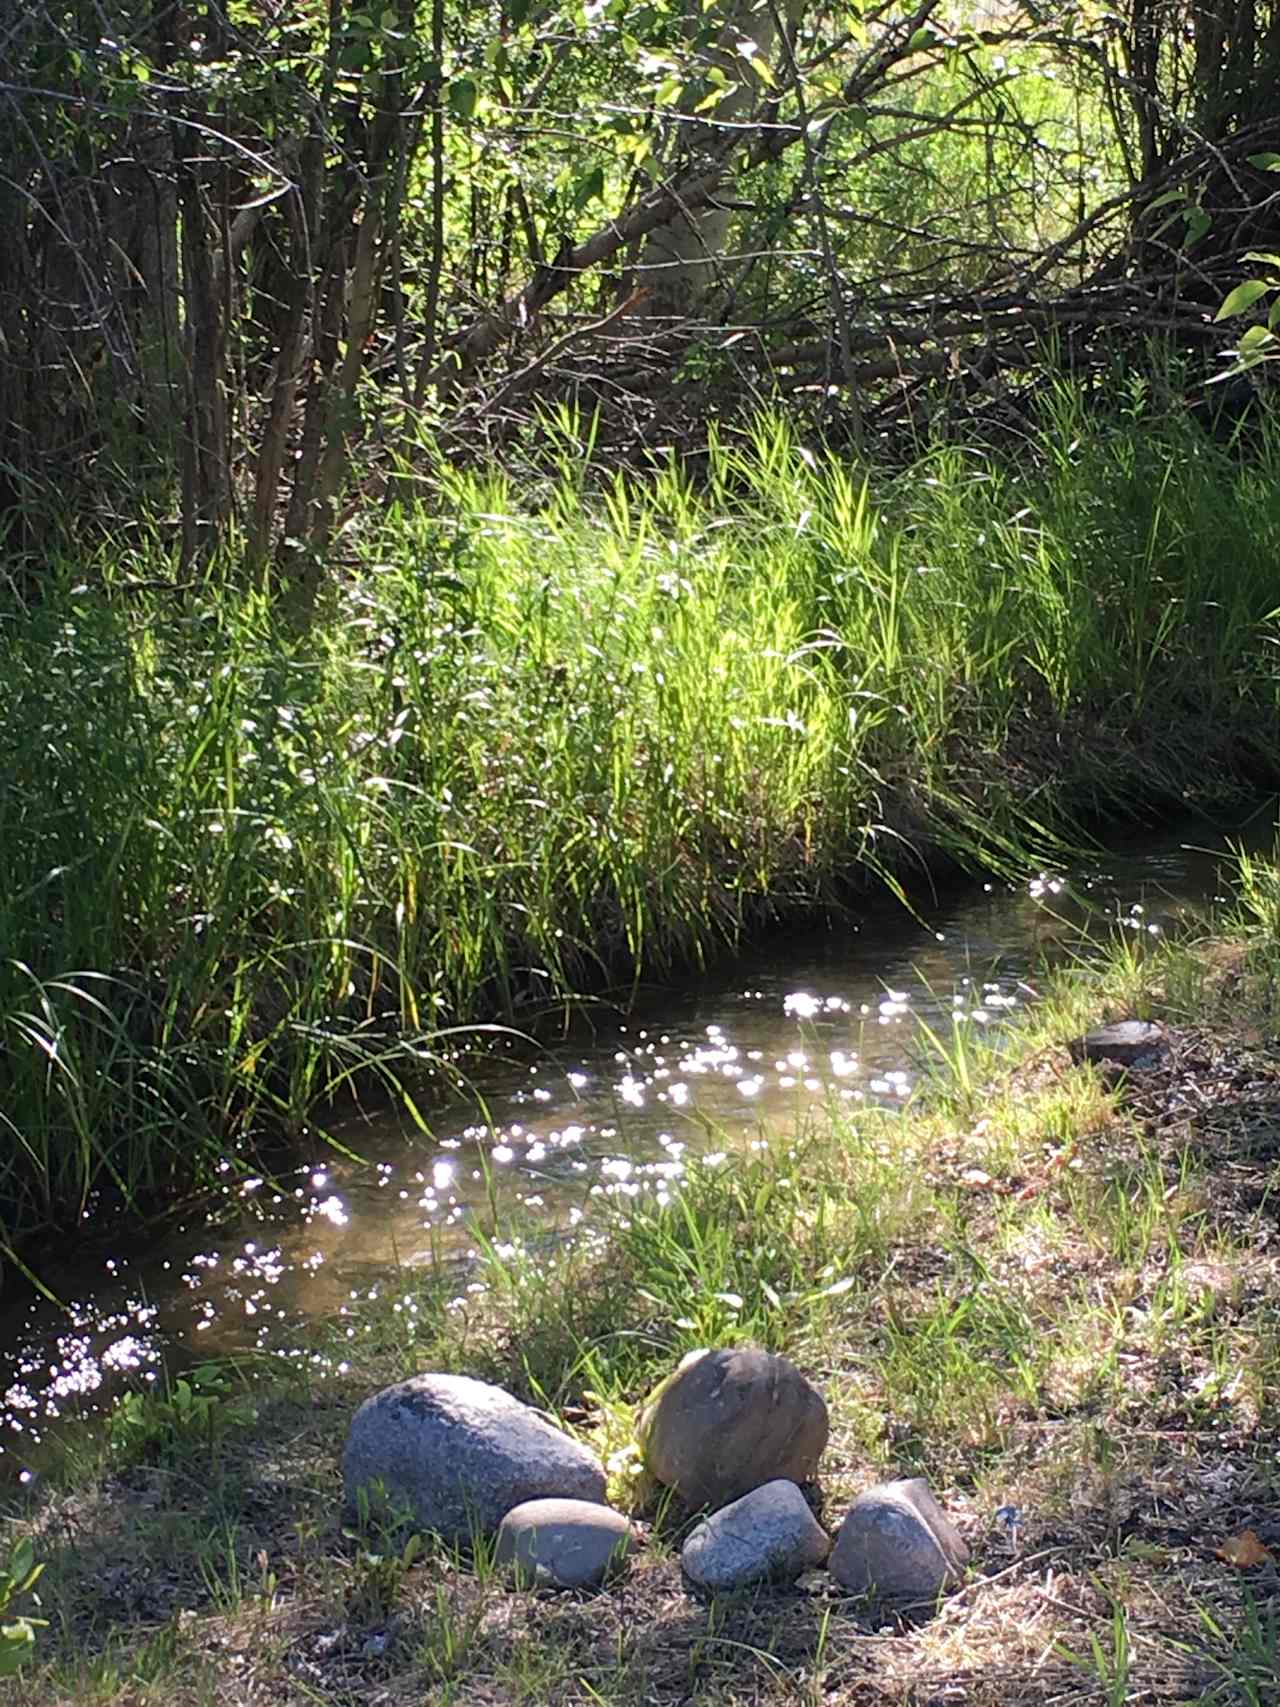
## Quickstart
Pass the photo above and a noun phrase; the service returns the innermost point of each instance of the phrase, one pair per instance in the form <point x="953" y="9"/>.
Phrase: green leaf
<point x="1241" y="298"/>
<point x="463" y="96"/>
<point x="589" y="188"/>
<point x="1165" y="224"/>
<point x="1267" y="260"/>
<point x="21" y="1559"/>
<point x="1255" y="339"/>
<point x="17" y="1643"/>
<point x="1198" y="223"/>
<point x="1265" y="162"/>
<point x="1273" y="315"/>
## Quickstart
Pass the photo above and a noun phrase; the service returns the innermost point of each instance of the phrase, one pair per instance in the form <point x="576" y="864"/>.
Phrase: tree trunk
<point x="680" y="261"/>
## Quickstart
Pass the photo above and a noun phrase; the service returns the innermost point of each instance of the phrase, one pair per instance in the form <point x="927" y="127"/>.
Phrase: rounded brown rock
<point x="729" y="1421"/>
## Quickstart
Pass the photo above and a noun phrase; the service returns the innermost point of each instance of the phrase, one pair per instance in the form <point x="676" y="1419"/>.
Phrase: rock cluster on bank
<point x="732" y="1432"/>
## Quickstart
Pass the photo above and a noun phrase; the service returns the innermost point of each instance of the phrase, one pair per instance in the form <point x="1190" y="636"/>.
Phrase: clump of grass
<point x="544" y="739"/>
<point x="771" y="1245"/>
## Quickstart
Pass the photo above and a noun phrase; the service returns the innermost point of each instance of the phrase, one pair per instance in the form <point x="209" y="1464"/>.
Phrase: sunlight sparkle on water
<point x="591" y="1125"/>
<point x="801" y="1005"/>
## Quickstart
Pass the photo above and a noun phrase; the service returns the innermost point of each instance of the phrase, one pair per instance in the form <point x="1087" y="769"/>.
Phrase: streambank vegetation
<point x="498" y="500"/>
<point x="1053" y="1292"/>
<point x="555" y="737"/>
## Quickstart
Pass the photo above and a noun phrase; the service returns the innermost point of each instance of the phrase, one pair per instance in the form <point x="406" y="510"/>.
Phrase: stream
<point x="726" y="1058"/>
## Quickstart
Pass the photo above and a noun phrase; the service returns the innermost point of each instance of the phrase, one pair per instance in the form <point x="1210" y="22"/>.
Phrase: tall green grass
<point x="544" y="737"/>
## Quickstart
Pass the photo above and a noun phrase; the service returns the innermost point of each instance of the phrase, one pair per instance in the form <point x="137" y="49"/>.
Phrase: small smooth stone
<point x="453" y="1456"/>
<point x="897" y="1544"/>
<point x="1214" y="1283"/>
<point x="1128" y="1043"/>
<point x="731" y="1420"/>
<point x="570" y="1543"/>
<point x="769" y="1535"/>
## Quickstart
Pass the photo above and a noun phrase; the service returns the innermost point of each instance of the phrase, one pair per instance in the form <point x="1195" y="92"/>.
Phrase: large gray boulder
<point x="453" y="1456"/>
<point x="566" y="1543"/>
<point x="897" y="1544"/>
<point x="768" y="1536"/>
<point x="729" y="1421"/>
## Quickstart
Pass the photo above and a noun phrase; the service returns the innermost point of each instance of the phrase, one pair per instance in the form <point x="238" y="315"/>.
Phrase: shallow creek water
<point x="726" y="1059"/>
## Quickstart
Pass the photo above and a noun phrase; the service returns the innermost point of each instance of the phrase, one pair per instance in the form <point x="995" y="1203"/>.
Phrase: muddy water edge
<point x="543" y="1133"/>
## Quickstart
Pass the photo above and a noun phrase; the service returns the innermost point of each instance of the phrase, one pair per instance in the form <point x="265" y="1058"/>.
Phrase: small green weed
<point x="1109" y="1663"/>
<point x="195" y="1410"/>
<point x="1245" y="1658"/>
<point x="377" y="1577"/>
<point x="18" y="1577"/>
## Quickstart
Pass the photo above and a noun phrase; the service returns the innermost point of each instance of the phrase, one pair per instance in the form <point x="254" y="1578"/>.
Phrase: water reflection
<point x="613" y="1112"/>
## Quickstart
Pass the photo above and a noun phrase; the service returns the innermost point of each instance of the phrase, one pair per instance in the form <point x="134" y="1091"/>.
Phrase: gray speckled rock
<point x="897" y="1544"/>
<point x="455" y="1455"/>
<point x="1128" y="1043"/>
<point x="729" y="1421"/>
<point x="569" y="1543"/>
<point x="769" y="1535"/>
